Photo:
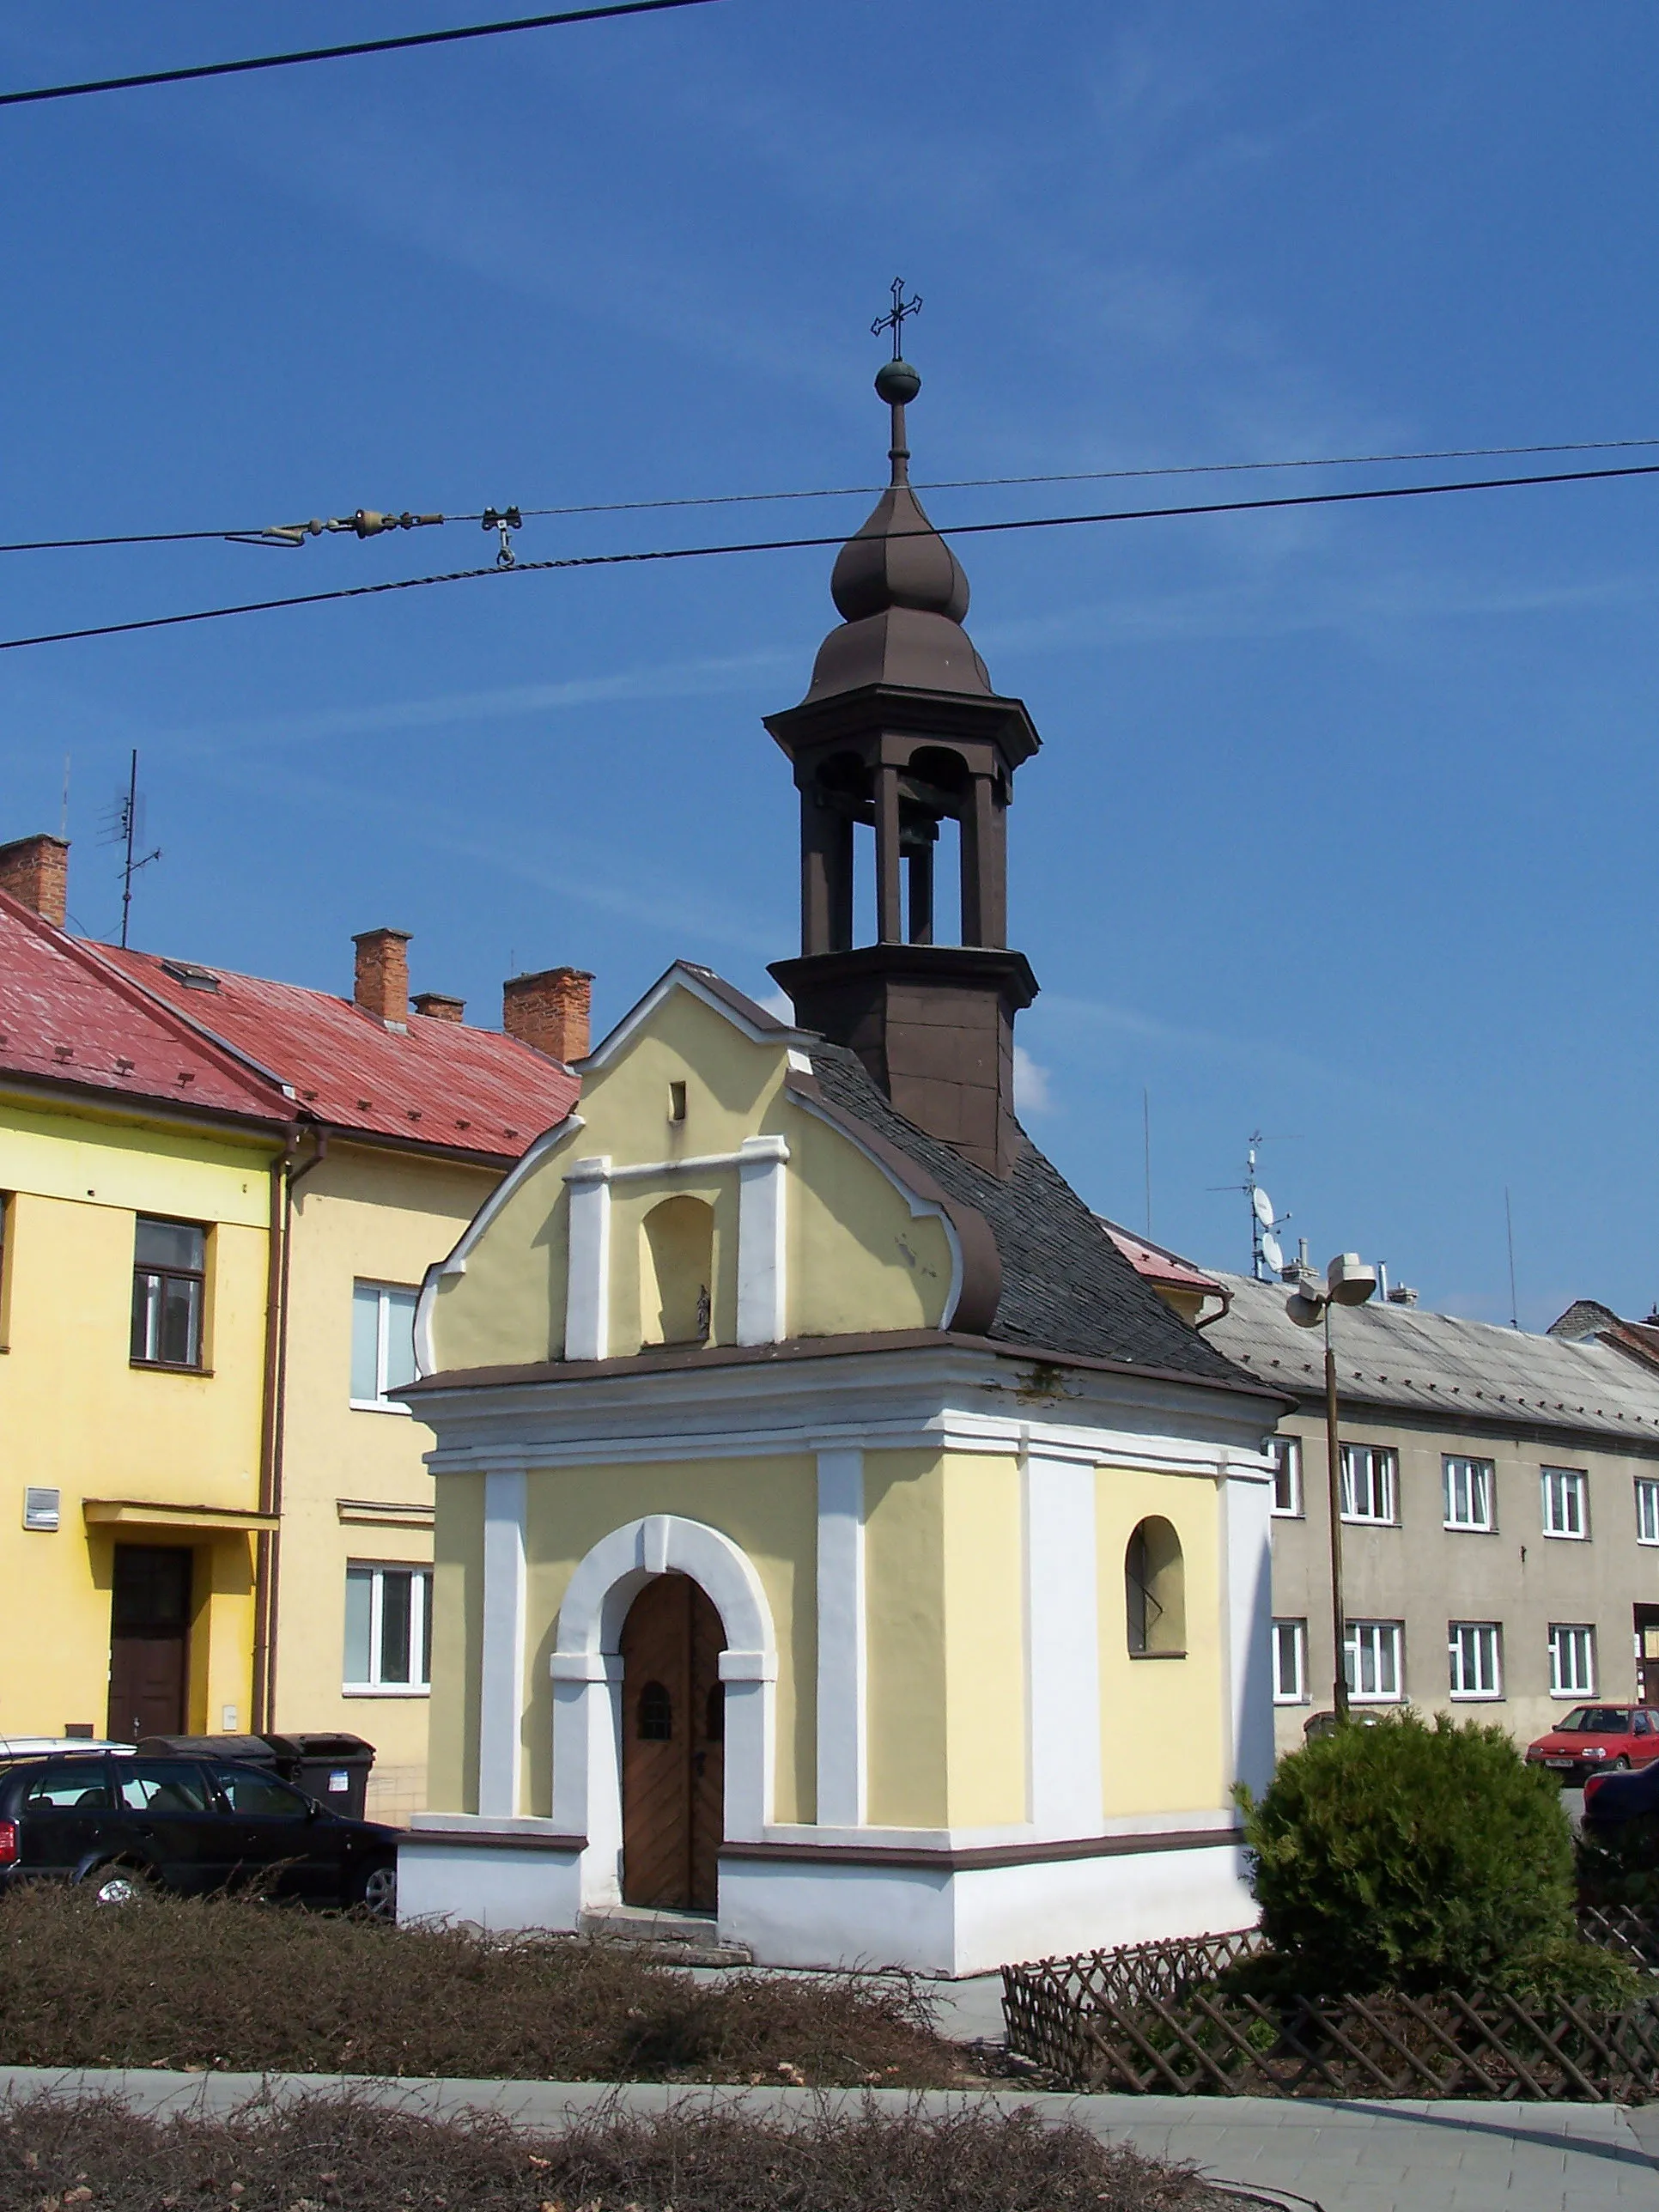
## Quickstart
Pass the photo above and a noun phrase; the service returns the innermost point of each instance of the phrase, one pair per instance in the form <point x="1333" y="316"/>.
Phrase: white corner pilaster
<point x="841" y="1802"/>
<point x="587" y="1278"/>
<point x="1247" y="1584"/>
<point x="500" y="1685"/>
<point x="1062" y="1642"/>
<point x="760" y="1246"/>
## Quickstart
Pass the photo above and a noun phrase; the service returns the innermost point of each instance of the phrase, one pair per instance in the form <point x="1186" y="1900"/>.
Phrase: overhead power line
<point x="344" y="53"/>
<point x="365" y="524"/>
<point x="795" y="545"/>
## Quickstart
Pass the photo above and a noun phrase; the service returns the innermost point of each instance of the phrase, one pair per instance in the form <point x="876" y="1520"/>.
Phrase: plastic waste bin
<point x="332" y="1767"/>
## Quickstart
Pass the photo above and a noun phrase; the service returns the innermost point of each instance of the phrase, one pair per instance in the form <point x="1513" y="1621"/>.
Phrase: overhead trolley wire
<point x="344" y="53"/>
<point x="864" y="491"/>
<point x="795" y="545"/>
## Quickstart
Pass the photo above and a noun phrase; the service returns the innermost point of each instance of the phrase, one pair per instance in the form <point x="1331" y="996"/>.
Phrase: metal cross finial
<point x="897" y="315"/>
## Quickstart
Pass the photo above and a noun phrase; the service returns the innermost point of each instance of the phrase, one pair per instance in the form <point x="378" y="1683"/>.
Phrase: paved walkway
<point x="1353" y="2157"/>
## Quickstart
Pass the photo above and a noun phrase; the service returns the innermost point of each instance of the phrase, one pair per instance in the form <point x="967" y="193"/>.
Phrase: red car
<point x="1598" y="1740"/>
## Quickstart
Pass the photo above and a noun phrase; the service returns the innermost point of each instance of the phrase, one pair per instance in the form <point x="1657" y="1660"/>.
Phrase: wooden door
<point x="149" y="1641"/>
<point x="673" y="1746"/>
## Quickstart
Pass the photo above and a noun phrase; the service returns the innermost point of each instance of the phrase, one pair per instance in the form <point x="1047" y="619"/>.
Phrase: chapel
<point x="837" y="1541"/>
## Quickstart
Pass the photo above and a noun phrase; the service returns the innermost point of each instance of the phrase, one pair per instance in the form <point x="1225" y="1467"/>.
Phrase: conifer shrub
<point x="1421" y="1858"/>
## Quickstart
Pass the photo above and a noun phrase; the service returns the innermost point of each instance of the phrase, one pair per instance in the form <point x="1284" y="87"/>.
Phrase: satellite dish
<point x="1272" y="1253"/>
<point x="1264" y="1207"/>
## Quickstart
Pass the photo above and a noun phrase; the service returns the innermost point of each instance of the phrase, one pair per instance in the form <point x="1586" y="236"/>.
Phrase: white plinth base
<point x="848" y="1913"/>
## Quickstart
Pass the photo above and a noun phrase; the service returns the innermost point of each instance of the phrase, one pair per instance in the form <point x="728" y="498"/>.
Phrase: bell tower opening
<point x="904" y="757"/>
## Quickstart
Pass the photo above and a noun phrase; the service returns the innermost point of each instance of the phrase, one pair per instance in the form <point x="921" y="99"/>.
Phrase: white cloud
<point x="1031" y="1091"/>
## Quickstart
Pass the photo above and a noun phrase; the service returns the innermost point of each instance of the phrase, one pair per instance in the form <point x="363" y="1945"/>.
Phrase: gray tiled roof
<point x="1066" y="1286"/>
<point x="1460" y="1371"/>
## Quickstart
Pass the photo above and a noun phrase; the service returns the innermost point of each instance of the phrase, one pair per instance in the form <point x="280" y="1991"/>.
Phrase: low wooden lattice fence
<point x="1152" y="2019"/>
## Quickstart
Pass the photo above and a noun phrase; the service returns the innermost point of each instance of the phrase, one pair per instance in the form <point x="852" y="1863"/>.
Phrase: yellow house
<point x="835" y="1536"/>
<point x="138" y="1168"/>
<point x="260" y="1463"/>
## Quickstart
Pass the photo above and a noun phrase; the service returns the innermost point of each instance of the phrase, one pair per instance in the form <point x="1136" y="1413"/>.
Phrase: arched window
<point x="676" y="1272"/>
<point x="655" y="1715"/>
<point x="1155" y="1591"/>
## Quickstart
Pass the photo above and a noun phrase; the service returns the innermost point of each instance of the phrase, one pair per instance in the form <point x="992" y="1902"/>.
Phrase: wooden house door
<point x="149" y="1641"/>
<point x="673" y="1778"/>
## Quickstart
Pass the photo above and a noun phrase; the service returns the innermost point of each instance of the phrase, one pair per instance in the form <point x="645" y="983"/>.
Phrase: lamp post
<point x="1348" y="1282"/>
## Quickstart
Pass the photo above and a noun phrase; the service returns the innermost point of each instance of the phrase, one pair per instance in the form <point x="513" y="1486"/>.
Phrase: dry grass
<point x="234" y="1985"/>
<point x="318" y="2155"/>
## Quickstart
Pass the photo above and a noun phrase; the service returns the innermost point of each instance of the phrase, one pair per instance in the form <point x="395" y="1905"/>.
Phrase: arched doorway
<point x="673" y="1772"/>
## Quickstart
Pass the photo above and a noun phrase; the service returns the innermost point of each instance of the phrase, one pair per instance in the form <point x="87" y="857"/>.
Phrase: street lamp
<point x="1348" y="1282"/>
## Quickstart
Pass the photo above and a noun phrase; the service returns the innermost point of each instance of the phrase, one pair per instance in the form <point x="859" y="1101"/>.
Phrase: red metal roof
<point x="437" y="1083"/>
<point x="1155" y="1262"/>
<point x="66" y="1019"/>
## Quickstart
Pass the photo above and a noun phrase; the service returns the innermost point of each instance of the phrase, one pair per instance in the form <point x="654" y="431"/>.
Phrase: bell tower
<point x="902" y="735"/>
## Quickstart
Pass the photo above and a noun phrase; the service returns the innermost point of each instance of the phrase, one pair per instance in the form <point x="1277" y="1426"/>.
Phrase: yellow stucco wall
<point x="378" y="1216"/>
<point x="457" y="1643"/>
<point x="1161" y="1748"/>
<point x="856" y="1258"/>
<point x="985" y="1641"/>
<point x="76" y="1416"/>
<point x="767" y="1506"/>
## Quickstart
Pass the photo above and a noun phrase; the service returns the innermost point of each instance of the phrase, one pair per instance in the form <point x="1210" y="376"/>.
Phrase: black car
<point x="1612" y="1800"/>
<point x="124" y="1826"/>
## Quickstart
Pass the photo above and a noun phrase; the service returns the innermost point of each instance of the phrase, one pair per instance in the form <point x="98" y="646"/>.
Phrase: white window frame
<point x="1295" y="1644"/>
<point x="1474" y="1655"/>
<point x="1556" y="1485"/>
<point x="1647" y="1508"/>
<point x="1584" y="1645"/>
<point x="1383" y="1463"/>
<point x="1382" y="1636"/>
<point x="379" y="1404"/>
<point x="1477" y="1481"/>
<point x="419" y="1608"/>
<point x="1286" y="1452"/>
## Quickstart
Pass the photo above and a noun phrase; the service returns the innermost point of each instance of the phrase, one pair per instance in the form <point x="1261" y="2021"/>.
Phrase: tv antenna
<point x="1267" y="1253"/>
<point x="124" y="826"/>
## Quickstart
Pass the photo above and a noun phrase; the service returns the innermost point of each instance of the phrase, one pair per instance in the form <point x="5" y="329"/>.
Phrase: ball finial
<point x="897" y="383"/>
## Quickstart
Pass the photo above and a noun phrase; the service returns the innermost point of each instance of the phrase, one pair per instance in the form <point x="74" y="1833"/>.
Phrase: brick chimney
<point x="36" y="871"/>
<point x="550" y="1011"/>
<point x="439" y="1006"/>
<point x="381" y="988"/>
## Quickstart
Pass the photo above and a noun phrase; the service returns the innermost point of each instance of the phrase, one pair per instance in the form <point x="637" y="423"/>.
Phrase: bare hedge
<point x="323" y="2155"/>
<point x="234" y="1985"/>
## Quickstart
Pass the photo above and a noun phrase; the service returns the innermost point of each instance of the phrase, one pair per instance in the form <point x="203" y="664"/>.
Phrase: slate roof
<point x="1066" y="1285"/>
<point x="437" y="1083"/>
<point x="1459" y="1372"/>
<point x="66" y="1020"/>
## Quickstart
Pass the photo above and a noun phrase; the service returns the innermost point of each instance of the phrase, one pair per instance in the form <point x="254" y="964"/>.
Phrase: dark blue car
<point x="1611" y="1800"/>
<point x="124" y="1825"/>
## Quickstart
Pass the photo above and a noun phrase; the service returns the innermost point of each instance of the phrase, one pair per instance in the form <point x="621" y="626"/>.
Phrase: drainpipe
<point x="284" y="1176"/>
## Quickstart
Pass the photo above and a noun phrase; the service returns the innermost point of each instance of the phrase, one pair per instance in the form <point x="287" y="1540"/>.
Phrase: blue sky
<point x="1343" y="825"/>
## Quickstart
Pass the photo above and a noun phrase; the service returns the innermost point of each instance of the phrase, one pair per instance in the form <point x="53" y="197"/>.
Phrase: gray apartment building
<point x="1500" y="1508"/>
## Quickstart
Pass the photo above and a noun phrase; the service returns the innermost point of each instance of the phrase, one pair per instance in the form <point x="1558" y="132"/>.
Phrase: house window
<point x="382" y="1344"/>
<point x="1370" y="1476"/>
<point x="1285" y="1453"/>
<point x="388" y="1629"/>
<point x="169" y="1270"/>
<point x="1566" y="1502"/>
<point x="1370" y="1661"/>
<point x="1290" y="1662"/>
<point x="1469" y="1492"/>
<point x="1474" y="1648"/>
<point x="1572" y="1661"/>
<point x="1647" y="1509"/>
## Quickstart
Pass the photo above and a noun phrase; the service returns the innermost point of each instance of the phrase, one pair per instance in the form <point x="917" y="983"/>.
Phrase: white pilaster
<point x="840" y="1682"/>
<point x="500" y="1686"/>
<point x="1247" y="1537"/>
<point x="1062" y="1642"/>
<point x="587" y="1278"/>
<point x="760" y="1246"/>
